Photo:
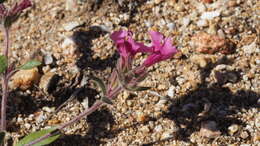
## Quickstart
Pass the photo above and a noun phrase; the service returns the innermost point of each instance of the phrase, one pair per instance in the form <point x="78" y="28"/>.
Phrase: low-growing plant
<point x="125" y="76"/>
<point x="7" y="17"/>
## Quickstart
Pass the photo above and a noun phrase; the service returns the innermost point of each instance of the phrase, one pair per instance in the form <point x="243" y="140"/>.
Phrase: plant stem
<point x="87" y="112"/>
<point x="5" y="82"/>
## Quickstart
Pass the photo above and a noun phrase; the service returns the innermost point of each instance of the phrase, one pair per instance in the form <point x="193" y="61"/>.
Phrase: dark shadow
<point x="98" y="125"/>
<point x="83" y="40"/>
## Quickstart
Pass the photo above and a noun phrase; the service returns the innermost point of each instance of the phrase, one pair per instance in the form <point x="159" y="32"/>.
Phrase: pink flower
<point x="126" y="46"/>
<point x="18" y="8"/>
<point x="162" y="49"/>
<point x="8" y="16"/>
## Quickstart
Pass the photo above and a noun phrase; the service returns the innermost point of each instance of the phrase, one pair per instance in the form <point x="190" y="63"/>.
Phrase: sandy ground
<point x="208" y="94"/>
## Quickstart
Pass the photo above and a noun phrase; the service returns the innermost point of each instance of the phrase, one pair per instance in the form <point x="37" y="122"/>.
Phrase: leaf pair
<point x="28" y="65"/>
<point x="101" y="85"/>
<point x="38" y="134"/>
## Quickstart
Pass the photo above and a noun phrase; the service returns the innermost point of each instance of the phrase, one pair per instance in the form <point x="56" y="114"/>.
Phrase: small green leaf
<point x="2" y="137"/>
<point x="106" y="100"/>
<point x="30" y="64"/>
<point x="3" y="63"/>
<point x="35" y="135"/>
<point x="100" y="83"/>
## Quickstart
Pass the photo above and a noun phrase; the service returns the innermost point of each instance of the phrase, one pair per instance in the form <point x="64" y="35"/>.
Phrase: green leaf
<point x="30" y="64"/>
<point x="100" y="83"/>
<point x="2" y="137"/>
<point x="3" y="63"/>
<point x="35" y="135"/>
<point x="106" y="100"/>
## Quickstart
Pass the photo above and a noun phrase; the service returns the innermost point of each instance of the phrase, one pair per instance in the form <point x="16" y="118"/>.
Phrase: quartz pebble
<point x="233" y="129"/>
<point x="48" y="59"/>
<point x="71" y="25"/>
<point x="210" y="15"/>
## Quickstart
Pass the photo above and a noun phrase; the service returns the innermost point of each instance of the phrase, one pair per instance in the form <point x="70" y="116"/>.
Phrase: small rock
<point x="27" y="125"/>
<point x="208" y="43"/>
<point x="158" y="128"/>
<point x="40" y="118"/>
<point x="185" y="21"/>
<point x="48" y="59"/>
<point x="71" y="5"/>
<point x="85" y="103"/>
<point x="202" y="23"/>
<point x="209" y="129"/>
<point x="170" y="91"/>
<point x="256" y="137"/>
<point x="145" y="129"/>
<point x="171" y="26"/>
<point x="48" y="82"/>
<point x="232" y="3"/>
<point x="48" y="109"/>
<point x="161" y="87"/>
<point x="257" y="121"/>
<point x="251" y="48"/>
<point x="210" y="15"/>
<point x="67" y="42"/>
<point x="71" y="25"/>
<point x="24" y="79"/>
<point x="141" y="117"/>
<point x="157" y="1"/>
<point x="125" y="95"/>
<point x="167" y="135"/>
<point x="233" y="129"/>
<point x="244" y="134"/>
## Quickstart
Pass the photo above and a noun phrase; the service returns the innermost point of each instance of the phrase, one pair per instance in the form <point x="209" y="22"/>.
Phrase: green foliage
<point x="100" y="84"/>
<point x="3" y="63"/>
<point x="30" y="64"/>
<point x="35" y="135"/>
<point x="106" y="100"/>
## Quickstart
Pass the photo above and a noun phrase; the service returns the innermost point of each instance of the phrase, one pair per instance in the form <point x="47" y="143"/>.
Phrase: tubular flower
<point x="8" y="16"/>
<point x="126" y="45"/>
<point x="162" y="49"/>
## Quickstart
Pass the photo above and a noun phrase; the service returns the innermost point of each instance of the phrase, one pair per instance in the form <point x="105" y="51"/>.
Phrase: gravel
<point x="191" y="98"/>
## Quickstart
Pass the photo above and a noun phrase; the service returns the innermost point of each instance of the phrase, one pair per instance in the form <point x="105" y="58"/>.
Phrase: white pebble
<point x="210" y="15"/>
<point x="185" y="21"/>
<point x="202" y="23"/>
<point x="170" y="91"/>
<point x="171" y="26"/>
<point x="48" y="59"/>
<point x="67" y="41"/>
<point x="71" y="25"/>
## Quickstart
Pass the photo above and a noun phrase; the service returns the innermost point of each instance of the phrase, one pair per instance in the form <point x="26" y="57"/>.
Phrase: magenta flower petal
<point x="156" y="38"/>
<point x="162" y="49"/>
<point x="126" y="45"/>
<point x="18" y="8"/>
<point x="119" y="35"/>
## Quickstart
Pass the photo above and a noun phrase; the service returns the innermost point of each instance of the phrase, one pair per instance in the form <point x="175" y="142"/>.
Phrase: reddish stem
<point x="5" y="82"/>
